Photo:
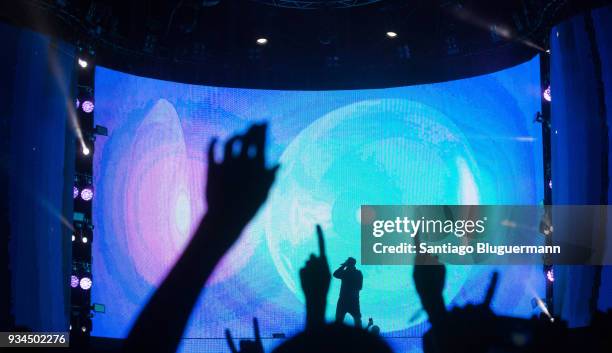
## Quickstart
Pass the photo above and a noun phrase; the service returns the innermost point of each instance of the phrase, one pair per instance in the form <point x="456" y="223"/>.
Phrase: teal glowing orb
<point x="389" y="151"/>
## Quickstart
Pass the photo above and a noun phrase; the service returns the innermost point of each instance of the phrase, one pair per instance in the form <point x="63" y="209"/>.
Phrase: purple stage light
<point x="87" y="106"/>
<point x="87" y="194"/>
<point x="75" y="192"/>
<point x="85" y="283"/>
<point x="78" y="102"/>
<point x="74" y="281"/>
<point x="546" y="94"/>
<point x="550" y="275"/>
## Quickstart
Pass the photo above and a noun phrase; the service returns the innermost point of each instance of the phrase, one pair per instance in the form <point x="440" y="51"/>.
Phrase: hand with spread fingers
<point x="237" y="186"/>
<point x="246" y="346"/>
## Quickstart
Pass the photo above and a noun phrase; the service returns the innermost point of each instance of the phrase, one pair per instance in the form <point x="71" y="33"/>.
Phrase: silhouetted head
<point x="351" y="262"/>
<point x="375" y="330"/>
<point x="334" y="338"/>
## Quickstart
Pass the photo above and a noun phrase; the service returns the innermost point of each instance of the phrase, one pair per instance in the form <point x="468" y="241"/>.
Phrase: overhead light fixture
<point x="87" y="194"/>
<point x="74" y="281"/>
<point x="550" y="275"/>
<point x="82" y="63"/>
<point x="85" y="283"/>
<point x="87" y="106"/>
<point x="391" y="34"/>
<point x="546" y="94"/>
<point x="262" y="41"/>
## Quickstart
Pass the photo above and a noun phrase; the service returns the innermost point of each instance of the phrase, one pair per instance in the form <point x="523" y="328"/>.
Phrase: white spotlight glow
<point x="84" y="240"/>
<point x="82" y="63"/>
<point x="86" y="150"/>
<point x="87" y="194"/>
<point x="85" y="283"/>
<point x="550" y="275"/>
<point x="87" y="106"/>
<point x="262" y="41"/>
<point x="391" y="34"/>
<point x="547" y="96"/>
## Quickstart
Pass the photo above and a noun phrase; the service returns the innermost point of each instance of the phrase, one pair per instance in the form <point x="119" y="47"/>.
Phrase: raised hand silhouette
<point x="315" y="278"/>
<point x="246" y="346"/>
<point x="236" y="188"/>
<point x="491" y="290"/>
<point x="429" y="276"/>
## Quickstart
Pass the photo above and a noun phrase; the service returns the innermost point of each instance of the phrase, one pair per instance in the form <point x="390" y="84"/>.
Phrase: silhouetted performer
<point x="352" y="282"/>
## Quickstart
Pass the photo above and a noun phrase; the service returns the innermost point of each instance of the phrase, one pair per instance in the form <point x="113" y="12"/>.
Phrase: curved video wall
<point x="470" y="141"/>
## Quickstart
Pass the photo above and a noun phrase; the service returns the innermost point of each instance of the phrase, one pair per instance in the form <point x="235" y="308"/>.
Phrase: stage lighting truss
<point x="83" y="187"/>
<point x="81" y="275"/>
<point x="80" y="322"/>
<point x="83" y="234"/>
<point x="85" y="99"/>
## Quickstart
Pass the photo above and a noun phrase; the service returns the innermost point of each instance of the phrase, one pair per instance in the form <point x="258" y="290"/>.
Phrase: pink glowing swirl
<point x="165" y="200"/>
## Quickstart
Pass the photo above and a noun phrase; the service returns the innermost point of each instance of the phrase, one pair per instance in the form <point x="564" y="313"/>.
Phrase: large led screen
<point x="470" y="141"/>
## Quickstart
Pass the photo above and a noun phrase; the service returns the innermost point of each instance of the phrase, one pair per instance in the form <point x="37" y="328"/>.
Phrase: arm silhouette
<point x="235" y="190"/>
<point x="429" y="276"/>
<point x="315" y="279"/>
<point x="339" y="273"/>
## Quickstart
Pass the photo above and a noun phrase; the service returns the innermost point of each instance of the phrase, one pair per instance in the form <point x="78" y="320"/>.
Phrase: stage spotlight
<point x="550" y="275"/>
<point x="546" y="94"/>
<point x="87" y="106"/>
<point x="74" y="280"/>
<point x="82" y="63"/>
<point x="85" y="283"/>
<point x="75" y="192"/>
<point x="85" y="150"/>
<point x="262" y="41"/>
<point x="78" y="102"/>
<point x="73" y="237"/>
<point x="84" y="239"/>
<point x="83" y="328"/>
<point x="87" y="194"/>
<point x="391" y="34"/>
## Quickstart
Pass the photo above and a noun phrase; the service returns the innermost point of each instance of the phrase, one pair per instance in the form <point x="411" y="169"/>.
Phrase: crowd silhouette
<point x="236" y="188"/>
